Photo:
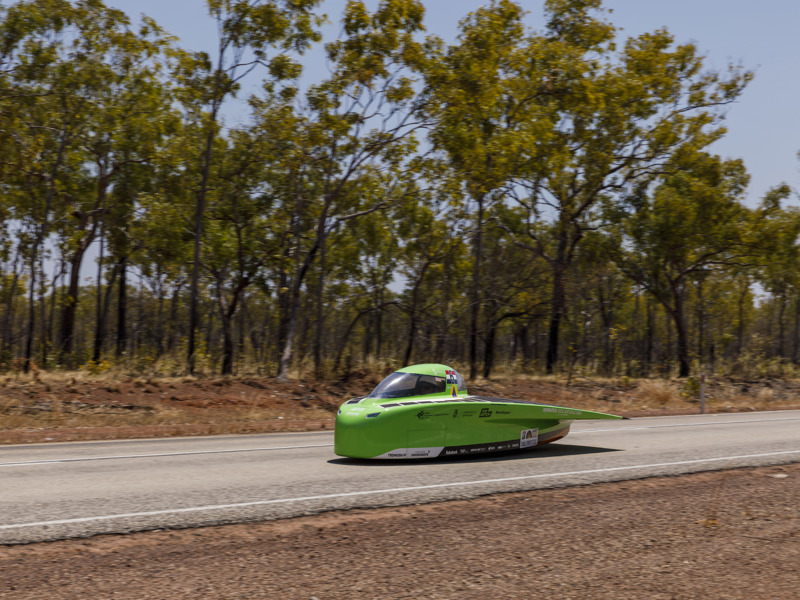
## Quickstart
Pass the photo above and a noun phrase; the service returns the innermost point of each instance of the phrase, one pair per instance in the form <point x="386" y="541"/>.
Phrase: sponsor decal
<point x="502" y="412"/>
<point x="419" y="452"/>
<point x="528" y="438"/>
<point x="355" y="411"/>
<point x="455" y="413"/>
<point x="426" y="414"/>
<point x="468" y="413"/>
<point x="431" y="452"/>
<point x="479" y="448"/>
<point x="558" y="409"/>
<point x="485" y="412"/>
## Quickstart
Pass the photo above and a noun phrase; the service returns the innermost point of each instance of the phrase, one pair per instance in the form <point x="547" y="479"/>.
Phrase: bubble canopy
<point x="421" y="380"/>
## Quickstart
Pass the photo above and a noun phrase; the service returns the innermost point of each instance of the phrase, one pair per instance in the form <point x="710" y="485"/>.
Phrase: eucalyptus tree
<point x="356" y="133"/>
<point x="511" y="289"/>
<point x="693" y="221"/>
<point x="10" y="283"/>
<point x="431" y="228"/>
<point x="606" y="295"/>
<point x="82" y="83"/>
<point x="777" y="271"/>
<point x="41" y="114"/>
<point x="478" y="107"/>
<point x="126" y="116"/>
<point x="27" y="39"/>
<point x="160" y="248"/>
<point x="614" y="117"/>
<point x="239" y="216"/>
<point x="252" y="33"/>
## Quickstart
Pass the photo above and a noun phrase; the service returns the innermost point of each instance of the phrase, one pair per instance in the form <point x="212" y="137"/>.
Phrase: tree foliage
<point x="538" y="197"/>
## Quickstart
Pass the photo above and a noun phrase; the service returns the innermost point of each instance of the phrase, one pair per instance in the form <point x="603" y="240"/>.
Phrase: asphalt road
<point x="57" y="491"/>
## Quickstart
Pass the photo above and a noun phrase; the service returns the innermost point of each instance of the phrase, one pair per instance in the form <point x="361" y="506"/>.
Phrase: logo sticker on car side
<point x="528" y="438"/>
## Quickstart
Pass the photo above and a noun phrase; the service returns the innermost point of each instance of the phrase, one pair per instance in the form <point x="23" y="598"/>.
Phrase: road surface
<point x="59" y="491"/>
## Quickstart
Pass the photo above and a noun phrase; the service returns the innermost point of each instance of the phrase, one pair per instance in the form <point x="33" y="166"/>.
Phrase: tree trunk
<point x="346" y="336"/>
<point x="227" y="343"/>
<point x="525" y="345"/>
<point x="701" y="322"/>
<point x="6" y="336"/>
<point x="557" y="303"/>
<point x="173" y="333"/>
<point x="294" y="305"/>
<point x="99" y="330"/>
<point x="607" y="316"/>
<point x="122" y="310"/>
<point x="70" y="308"/>
<point x="782" y="301"/>
<point x="488" y="358"/>
<point x="320" y="308"/>
<point x="649" y="337"/>
<point x="44" y="335"/>
<point x="200" y="209"/>
<point x="47" y="333"/>
<point x="740" y="327"/>
<point x="244" y="318"/>
<point x="475" y="295"/>
<point x="159" y="315"/>
<point x="106" y="303"/>
<point x="679" y="318"/>
<point x="412" y="321"/>
<point x="227" y="314"/>
<point x="34" y="265"/>
<point x="796" y="337"/>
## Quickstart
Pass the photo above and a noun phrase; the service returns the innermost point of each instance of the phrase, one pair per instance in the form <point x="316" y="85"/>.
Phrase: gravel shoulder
<point x="722" y="534"/>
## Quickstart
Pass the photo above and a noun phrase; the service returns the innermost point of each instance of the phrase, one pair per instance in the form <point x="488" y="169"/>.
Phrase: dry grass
<point x="46" y="402"/>
<point x="658" y="392"/>
<point x="59" y="414"/>
<point x="62" y="400"/>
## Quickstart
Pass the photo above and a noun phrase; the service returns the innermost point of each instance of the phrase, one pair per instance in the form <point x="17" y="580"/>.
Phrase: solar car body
<point x="425" y="411"/>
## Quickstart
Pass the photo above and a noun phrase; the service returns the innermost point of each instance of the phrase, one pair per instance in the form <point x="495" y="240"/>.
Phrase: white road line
<point x="387" y="491"/>
<point x="623" y="429"/>
<point x="165" y="454"/>
<point x="128" y="456"/>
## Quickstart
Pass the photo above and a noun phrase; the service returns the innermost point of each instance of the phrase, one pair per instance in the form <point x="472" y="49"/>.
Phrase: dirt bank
<point x="80" y="406"/>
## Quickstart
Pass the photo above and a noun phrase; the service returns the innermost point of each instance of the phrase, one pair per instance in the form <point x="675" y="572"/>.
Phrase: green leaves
<point x="458" y="191"/>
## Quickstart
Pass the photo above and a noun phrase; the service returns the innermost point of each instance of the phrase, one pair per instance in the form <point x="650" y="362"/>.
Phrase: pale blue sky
<point x="764" y="125"/>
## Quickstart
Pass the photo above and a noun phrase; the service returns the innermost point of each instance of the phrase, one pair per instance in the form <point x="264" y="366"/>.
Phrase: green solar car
<point x="425" y="411"/>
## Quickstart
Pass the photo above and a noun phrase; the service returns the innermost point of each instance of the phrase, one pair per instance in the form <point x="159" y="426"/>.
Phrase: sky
<point x="763" y="125"/>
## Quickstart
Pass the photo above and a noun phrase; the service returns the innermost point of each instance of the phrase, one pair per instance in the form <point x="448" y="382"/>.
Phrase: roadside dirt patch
<point x="727" y="534"/>
<point x="69" y="407"/>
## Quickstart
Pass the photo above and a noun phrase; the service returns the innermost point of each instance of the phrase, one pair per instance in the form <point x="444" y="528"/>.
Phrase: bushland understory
<point x="61" y="406"/>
